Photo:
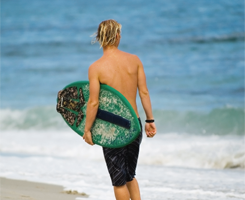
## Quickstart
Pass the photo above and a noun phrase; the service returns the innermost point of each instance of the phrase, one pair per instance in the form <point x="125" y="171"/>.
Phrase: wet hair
<point x="107" y="32"/>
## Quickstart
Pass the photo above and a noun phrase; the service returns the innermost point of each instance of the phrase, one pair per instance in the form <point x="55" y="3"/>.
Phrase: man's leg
<point x="121" y="192"/>
<point x="133" y="189"/>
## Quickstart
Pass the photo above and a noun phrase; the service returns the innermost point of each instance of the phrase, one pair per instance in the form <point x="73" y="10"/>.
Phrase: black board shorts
<point x="121" y="162"/>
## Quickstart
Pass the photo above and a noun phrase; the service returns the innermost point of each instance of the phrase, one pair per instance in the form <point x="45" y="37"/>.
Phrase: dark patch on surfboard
<point x="82" y="100"/>
<point x="69" y="101"/>
<point x="70" y="93"/>
<point x="79" y="118"/>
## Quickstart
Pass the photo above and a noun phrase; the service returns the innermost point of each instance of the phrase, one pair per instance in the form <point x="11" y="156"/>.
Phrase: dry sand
<point x="25" y="190"/>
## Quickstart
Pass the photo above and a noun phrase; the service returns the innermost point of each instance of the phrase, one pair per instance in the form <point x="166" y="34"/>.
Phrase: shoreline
<point x="12" y="189"/>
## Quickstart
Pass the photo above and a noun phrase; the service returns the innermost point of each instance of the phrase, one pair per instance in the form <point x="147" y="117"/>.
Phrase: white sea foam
<point x="165" y="149"/>
<point x="62" y="157"/>
<point x="194" y="151"/>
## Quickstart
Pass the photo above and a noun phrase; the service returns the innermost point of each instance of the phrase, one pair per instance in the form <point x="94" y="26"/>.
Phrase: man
<point x="125" y="73"/>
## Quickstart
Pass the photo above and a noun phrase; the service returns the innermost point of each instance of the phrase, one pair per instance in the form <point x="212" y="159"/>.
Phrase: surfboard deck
<point x="116" y="123"/>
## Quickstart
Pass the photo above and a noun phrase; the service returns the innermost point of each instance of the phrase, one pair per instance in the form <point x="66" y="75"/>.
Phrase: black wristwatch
<point x="149" y="120"/>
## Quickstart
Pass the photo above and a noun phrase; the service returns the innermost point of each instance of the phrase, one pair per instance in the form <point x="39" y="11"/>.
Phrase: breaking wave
<point x="222" y="121"/>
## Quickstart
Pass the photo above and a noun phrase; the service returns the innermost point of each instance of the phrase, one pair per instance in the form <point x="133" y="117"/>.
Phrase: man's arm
<point x="93" y="102"/>
<point x="150" y="128"/>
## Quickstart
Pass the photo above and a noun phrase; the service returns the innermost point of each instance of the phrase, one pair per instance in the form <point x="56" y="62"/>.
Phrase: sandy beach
<point x="26" y="190"/>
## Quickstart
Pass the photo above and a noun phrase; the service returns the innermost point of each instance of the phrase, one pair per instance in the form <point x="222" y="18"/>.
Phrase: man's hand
<point x="87" y="136"/>
<point x="150" y="129"/>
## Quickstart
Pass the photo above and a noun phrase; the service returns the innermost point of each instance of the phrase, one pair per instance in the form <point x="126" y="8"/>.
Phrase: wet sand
<point x="25" y="190"/>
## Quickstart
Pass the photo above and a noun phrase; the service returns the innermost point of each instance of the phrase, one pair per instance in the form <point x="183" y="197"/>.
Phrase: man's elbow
<point x="93" y="103"/>
<point x="144" y="93"/>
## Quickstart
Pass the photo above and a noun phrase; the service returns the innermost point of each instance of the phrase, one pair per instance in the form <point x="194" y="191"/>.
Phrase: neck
<point x="109" y="49"/>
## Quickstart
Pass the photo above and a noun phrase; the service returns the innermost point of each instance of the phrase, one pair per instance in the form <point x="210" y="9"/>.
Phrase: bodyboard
<point x="116" y="123"/>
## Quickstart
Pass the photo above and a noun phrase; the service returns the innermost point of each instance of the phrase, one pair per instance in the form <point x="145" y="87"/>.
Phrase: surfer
<point x="125" y="73"/>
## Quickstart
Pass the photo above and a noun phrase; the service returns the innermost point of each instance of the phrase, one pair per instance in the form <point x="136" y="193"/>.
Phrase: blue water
<point x="192" y="52"/>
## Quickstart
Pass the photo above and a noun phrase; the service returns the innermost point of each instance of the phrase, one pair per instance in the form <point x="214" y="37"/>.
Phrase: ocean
<point x="193" y="56"/>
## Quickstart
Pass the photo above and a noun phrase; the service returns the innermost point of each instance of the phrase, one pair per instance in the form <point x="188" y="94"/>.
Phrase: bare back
<point x="119" y="70"/>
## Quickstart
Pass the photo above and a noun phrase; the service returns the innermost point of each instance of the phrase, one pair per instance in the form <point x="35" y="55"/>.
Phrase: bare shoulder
<point x="133" y="57"/>
<point x="94" y="67"/>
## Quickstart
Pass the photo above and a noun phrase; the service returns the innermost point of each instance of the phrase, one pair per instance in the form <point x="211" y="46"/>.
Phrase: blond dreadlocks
<point x="107" y="32"/>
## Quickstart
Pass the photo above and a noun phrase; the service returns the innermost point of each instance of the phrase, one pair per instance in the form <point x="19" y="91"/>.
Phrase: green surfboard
<point x="116" y="123"/>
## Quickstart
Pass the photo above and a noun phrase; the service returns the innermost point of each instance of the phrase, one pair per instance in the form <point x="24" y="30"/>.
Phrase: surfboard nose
<point x="69" y="104"/>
